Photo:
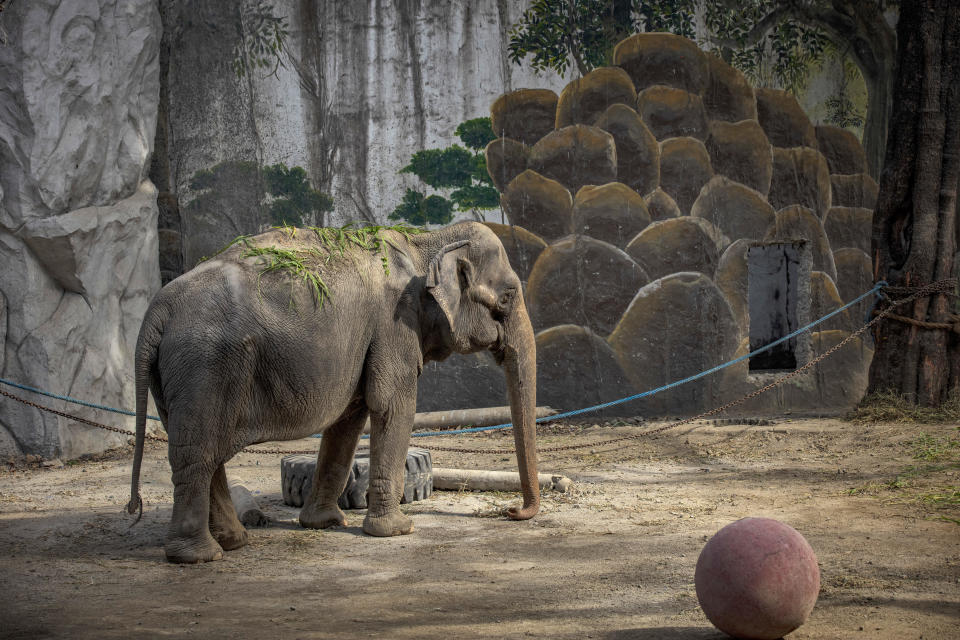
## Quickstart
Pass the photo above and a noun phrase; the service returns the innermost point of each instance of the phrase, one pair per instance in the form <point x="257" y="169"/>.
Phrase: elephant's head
<point x="470" y="278"/>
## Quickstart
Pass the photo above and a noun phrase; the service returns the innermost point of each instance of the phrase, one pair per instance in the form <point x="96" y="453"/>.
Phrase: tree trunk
<point x="914" y="238"/>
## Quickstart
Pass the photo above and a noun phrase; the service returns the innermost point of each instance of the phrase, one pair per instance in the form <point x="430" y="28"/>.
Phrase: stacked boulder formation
<point x="632" y="199"/>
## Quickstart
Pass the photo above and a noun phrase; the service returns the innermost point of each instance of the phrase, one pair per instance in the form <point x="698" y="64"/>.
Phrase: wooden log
<point x="484" y="417"/>
<point x="479" y="480"/>
<point x="248" y="511"/>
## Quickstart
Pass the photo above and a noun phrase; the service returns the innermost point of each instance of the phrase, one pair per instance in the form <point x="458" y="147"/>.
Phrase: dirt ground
<point x="614" y="558"/>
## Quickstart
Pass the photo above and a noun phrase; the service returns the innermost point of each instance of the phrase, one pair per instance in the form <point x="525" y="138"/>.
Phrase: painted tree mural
<point x="768" y="40"/>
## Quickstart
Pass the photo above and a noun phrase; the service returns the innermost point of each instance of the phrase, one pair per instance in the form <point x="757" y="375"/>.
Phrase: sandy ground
<point x="614" y="558"/>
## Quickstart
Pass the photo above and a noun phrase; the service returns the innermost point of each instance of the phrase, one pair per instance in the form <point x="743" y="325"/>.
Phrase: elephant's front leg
<point x="389" y="437"/>
<point x="333" y="469"/>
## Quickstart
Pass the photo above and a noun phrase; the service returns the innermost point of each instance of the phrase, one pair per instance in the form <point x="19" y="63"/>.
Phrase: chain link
<point x="130" y="433"/>
<point x="942" y="286"/>
<point x="77" y="418"/>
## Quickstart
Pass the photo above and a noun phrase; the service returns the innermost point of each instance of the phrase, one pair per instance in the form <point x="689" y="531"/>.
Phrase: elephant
<point x="301" y="331"/>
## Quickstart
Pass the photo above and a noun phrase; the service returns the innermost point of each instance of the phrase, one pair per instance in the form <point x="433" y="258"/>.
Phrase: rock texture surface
<point x="575" y="156"/>
<point x="638" y="153"/>
<point x="721" y="169"/>
<point x="677" y="244"/>
<point x="612" y="212"/>
<point x="740" y="151"/>
<point x="360" y="90"/>
<point x="684" y="169"/>
<point x="584" y="281"/>
<point x="537" y="203"/>
<point x="362" y="87"/>
<point x="78" y="218"/>
<point x="735" y="209"/>
<point x="577" y="368"/>
<point x="675" y="327"/>
<point x="584" y="99"/>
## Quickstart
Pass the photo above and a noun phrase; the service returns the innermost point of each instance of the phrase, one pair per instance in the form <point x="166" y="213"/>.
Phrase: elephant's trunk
<point x="520" y="366"/>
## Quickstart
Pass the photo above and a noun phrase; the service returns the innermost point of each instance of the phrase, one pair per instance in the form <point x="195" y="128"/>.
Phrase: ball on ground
<point x="757" y="579"/>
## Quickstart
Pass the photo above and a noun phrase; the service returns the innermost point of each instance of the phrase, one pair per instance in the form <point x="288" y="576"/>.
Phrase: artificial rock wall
<point x="699" y="165"/>
<point x="362" y="86"/>
<point x="79" y="86"/>
<point x="633" y="197"/>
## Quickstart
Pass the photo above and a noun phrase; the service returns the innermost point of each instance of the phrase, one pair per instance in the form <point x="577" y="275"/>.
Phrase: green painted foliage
<point x="442" y="168"/>
<point x="476" y="133"/>
<point x="846" y="107"/>
<point x="416" y="208"/>
<point x="554" y="33"/>
<point x="262" y="37"/>
<point x="284" y="193"/>
<point x="671" y="16"/>
<point x="293" y="196"/>
<point x="786" y="52"/>
<point x="461" y="170"/>
<point x="476" y="197"/>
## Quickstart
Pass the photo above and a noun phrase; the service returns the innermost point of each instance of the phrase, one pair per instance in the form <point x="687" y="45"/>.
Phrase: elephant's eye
<point x="506" y="298"/>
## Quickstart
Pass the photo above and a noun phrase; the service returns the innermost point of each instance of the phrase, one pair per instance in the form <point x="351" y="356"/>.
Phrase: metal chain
<point x="953" y="325"/>
<point x="77" y="418"/>
<point x="130" y="433"/>
<point x="935" y="287"/>
<point x="947" y="287"/>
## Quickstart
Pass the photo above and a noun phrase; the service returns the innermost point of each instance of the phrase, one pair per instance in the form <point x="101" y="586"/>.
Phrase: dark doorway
<point x="773" y="278"/>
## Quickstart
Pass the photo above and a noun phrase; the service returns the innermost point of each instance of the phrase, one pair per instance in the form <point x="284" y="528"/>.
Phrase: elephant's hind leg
<point x="225" y="527"/>
<point x="333" y="469"/>
<point x="189" y="539"/>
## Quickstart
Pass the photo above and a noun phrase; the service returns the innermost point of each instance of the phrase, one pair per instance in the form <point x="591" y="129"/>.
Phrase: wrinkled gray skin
<point x="234" y="356"/>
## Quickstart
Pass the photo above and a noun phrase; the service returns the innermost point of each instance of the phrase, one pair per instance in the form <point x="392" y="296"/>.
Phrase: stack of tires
<point x="297" y="472"/>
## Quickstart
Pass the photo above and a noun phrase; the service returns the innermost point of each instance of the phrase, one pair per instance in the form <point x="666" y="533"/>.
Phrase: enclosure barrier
<point x="941" y="286"/>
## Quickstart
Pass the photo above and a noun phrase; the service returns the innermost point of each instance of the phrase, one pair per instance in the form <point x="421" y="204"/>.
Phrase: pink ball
<point x="757" y="579"/>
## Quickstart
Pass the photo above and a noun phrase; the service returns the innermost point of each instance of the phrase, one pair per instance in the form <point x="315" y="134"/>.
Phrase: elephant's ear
<point x="447" y="275"/>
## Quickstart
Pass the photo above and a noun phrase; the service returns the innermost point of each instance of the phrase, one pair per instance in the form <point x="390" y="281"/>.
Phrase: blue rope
<point x="880" y="285"/>
<point x="875" y="290"/>
<point x="73" y="400"/>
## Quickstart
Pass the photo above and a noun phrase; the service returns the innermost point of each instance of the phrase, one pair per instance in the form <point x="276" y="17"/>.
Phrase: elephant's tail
<point x="144" y="360"/>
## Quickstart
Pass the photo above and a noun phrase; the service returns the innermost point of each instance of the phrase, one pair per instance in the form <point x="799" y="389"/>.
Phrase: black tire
<point x="296" y="479"/>
<point x="355" y="495"/>
<point x="418" y="480"/>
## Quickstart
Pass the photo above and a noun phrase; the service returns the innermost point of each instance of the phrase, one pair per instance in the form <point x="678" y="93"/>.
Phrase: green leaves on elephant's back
<point x="292" y="262"/>
<point x="320" y="245"/>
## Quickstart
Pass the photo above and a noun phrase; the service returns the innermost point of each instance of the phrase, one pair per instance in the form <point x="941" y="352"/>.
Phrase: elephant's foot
<point x="230" y="539"/>
<point x="193" y="550"/>
<point x="322" y="517"/>
<point x="390" y="524"/>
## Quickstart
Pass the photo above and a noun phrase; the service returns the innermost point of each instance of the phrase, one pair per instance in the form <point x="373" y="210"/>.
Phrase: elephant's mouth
<point x="498" y="348"/>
